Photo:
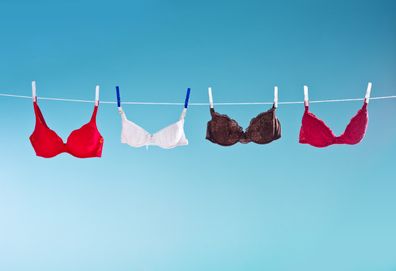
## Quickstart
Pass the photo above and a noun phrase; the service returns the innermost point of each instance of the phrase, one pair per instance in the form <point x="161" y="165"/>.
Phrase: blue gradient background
<point x="282" y="206"/>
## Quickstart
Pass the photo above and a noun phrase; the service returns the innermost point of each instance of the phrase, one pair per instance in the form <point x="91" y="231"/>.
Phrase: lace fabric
<point x="225" y="131"/>
<point x="315" y="132"/>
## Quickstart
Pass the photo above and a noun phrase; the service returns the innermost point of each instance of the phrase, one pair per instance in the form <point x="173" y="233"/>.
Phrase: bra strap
<point x="122" y="113"/>
<point x="95" y="112"/>
<point x="183" y="114"/>
<point x="38" y="114"/>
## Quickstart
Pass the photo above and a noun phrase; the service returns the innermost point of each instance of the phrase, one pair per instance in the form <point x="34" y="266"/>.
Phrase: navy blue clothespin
<point x="118" y="96"/>
<point x="187" y="98"/>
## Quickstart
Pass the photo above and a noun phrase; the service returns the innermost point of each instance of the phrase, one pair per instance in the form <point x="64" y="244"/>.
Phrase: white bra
<point x="167" y="138"/>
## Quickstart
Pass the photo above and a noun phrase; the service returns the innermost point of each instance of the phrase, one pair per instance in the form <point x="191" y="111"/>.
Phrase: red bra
<point x="316" y="133"/>
<point x="84" y="142"/>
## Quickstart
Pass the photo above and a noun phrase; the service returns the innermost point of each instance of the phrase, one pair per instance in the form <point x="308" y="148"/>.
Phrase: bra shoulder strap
<point x="37" y="112"/>
<point x="95" y="112"/>
<point x="39" y="116"/>
<point x="183" y="114"/>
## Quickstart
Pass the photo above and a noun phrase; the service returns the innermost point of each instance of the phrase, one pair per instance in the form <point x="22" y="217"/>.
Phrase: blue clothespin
<point x="187" y="98"/>
<point x="118" y="96"/>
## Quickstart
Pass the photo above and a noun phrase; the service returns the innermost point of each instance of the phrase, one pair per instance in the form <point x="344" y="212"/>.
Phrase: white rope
<point x="195" y="104"/>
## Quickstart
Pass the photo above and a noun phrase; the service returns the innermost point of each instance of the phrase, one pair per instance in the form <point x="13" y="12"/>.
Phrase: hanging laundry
<point x="316" y="133"/>
<point x="223" y="130"/>
<point x="167" y="138"/>
<point x="85" y="142"/>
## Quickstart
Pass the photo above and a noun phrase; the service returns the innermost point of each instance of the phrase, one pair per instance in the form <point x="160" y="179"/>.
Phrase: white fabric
<point x="167" y="138"/>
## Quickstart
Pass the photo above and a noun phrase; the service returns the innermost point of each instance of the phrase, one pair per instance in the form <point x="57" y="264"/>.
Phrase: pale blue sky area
<point x="282" y="206"/>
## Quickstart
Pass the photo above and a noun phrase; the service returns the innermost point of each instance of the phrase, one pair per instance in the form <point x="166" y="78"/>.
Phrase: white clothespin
<point x="306" y="98"/>
<point x="97" y="95"/>
<point x="368" y="93"/>
<point x="210" y="97"/>
<point x="34" y="97"/>
<point x="276" y="97"/>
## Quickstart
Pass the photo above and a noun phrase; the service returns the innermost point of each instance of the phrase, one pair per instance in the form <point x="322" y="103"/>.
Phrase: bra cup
<point x="315" y="132"/>
<point x="223" y="130"/>
<point x="85" y="142"/>
<point x="264" y="128"/>
<point x="183" y="140"/>
<point x="46" y="143"/>
<point x="170" y="137"/>
<point x="134" y="135"/>
<point x="356" y="128"/>
<point x="278" y="129"/>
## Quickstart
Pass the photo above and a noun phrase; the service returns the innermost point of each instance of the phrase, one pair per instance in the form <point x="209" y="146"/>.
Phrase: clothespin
<point x="210" y="97"/>
<point x="97" y="95"/>
<point x="187" y="98"/>
<point x="34" y="97"/>
<point x="368" y="93"/>
<point x="118" y="96"/>
<point x="276" y="97"/>
<point x="306" y="98"/>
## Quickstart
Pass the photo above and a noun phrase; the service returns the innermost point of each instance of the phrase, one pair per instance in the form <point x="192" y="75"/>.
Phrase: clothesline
<point x="196" y="104"/>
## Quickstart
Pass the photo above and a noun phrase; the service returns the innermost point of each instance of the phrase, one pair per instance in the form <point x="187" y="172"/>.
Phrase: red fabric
<point x="84" y="142"/>
<point x="316" y="133"/>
